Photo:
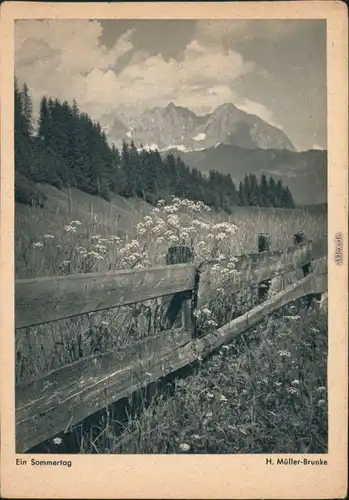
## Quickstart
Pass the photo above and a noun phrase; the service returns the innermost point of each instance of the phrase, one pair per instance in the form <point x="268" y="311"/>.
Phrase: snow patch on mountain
<point x="129" y="133"/>
<point x="180" y="147"/>
<point x="200" y="137"/>
<point x="148" y="147"/>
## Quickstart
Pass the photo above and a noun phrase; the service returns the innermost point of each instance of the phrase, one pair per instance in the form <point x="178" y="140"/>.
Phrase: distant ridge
<point x="305" y="173"/>
<point x="177" y="126"/>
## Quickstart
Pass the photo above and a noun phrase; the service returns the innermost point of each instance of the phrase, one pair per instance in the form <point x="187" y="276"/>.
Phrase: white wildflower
<point x="148" y="223"/>
<point x="75" y="223"/>
<point x="171" y="209"/>
<point x="96" y="255"/>
<point x="206" y="311"/>
<point x="116" y="239"/>
<point x="48" y="236"/>
<point x="184" y="234"/>
<point x="211" y="322"/>
<point x="173" y="220"/>
<point x="69" y="229"/>
<point x="38" y="244"/>
<point x="102" y="248"/>
<point x="221" y="236"/>
<point x="157" y="229"/>
<point x="284" y="353"/>
<point x="57" y="440"/>
<point x="292" y="390"/>
<point x="184" y="447"/>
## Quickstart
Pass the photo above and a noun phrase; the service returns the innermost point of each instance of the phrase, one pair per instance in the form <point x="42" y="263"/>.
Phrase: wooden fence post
<point x="184" y="301"/>
<point x="299" y="238"/>
<point x="263" y="246"/>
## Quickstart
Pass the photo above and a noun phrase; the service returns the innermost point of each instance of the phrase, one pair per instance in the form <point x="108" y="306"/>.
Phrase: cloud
<point x="151" y="78"/>
<point x="66" y="59"/>
<point x="54" y="57"/>
<point x="255" y="108"/>
<point x="75" y="45"/>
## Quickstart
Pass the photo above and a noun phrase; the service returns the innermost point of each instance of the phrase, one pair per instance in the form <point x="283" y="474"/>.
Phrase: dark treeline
<point x="68" y="149"/>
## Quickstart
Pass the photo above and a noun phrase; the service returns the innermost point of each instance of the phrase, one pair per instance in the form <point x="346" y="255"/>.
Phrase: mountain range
<point x="228" y="140"/>
<point x="176" y="126"/>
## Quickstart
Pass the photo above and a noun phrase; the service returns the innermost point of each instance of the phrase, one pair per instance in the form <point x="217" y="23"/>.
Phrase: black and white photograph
<point x="171" y="217"/>
<point x="171" y="181"/>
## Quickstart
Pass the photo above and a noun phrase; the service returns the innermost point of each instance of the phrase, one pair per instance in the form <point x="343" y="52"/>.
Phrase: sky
<point x="275" y="69"/>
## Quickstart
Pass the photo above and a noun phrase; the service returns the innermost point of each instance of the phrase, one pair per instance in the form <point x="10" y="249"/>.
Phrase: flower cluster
<point x="39" y="245"/>
<point x="284" y="354"/>
<point x="184" y="222"/>
<point x="171" y="223"/>
<point x="204" y="319"/>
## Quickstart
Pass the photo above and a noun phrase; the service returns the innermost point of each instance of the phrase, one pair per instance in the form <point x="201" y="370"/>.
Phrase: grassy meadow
<point x="265" y="392"/>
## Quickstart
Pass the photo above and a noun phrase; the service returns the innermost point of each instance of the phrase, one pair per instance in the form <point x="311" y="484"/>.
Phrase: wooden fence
<point x="53" y="402"/>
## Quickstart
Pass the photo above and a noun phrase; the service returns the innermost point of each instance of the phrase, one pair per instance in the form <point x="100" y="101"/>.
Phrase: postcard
<point x="174" y="250"/>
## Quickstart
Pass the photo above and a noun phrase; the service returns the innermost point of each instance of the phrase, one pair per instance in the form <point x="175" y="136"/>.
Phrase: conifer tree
<point x="69" y="149"/>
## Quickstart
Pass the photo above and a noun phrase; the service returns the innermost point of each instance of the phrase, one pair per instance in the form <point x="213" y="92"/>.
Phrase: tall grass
<point x="78" y="234"/>
<point x="264" y="393"/>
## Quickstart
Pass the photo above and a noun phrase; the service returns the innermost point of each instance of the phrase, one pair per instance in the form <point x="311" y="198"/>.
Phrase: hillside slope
<point x="118" y="216"/>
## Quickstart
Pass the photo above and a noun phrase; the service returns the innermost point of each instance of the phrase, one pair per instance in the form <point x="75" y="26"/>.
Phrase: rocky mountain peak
<point x="177" y="126"/>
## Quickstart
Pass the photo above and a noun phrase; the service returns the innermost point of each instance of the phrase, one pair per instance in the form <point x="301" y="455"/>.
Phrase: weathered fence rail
<point x="53" y="402"/>
<point x="41" y="300"/>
